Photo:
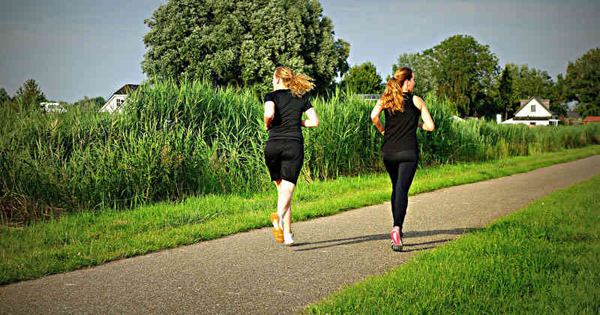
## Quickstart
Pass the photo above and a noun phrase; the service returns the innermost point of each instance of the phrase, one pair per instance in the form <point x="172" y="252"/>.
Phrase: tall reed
<point x="188" y="138"/>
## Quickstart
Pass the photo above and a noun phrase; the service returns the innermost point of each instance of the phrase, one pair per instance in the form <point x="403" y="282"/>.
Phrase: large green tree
<point x="464" y="71"/>
<point x="30" y="94"/>
<point x="423" y="67"/>
<point x="363" y="79"/>
<point x="242" y="42"/>
<point x="583" y="83"/>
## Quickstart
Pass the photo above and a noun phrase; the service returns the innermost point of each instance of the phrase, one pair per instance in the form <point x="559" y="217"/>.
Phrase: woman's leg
<point x="405" y="175"/>
<point x="285" y="191"/>
<point x="391" y="165"/>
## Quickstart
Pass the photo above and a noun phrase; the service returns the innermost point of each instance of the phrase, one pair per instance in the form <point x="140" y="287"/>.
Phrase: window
<point x="120" y="102"/>
<point x="533" y="108"/>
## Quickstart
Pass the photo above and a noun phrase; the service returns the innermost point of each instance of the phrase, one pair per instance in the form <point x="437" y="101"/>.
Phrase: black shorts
<point x="284" y="158"/>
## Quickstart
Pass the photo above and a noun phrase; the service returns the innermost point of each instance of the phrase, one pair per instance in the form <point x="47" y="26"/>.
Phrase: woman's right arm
<point x="269" y="114"/>
<point x="375" y="116"/>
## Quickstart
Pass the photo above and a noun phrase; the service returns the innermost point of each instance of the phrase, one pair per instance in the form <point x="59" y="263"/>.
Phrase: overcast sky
<point x="77" y="48"/>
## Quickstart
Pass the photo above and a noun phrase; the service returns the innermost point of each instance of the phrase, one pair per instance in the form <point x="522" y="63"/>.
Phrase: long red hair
<point x="393" y="98"/>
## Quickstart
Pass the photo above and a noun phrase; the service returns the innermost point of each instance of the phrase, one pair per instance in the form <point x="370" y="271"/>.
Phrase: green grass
<point x="92" y="238"/>
<point x="543" y="259"/>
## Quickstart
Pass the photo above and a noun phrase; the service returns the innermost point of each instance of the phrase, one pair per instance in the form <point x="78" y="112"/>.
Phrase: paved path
<point x="248" y="273"/>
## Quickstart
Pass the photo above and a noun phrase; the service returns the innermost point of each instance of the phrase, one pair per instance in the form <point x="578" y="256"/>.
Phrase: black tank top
<point x="401" y="127"/>
<point x="287" y="122"/>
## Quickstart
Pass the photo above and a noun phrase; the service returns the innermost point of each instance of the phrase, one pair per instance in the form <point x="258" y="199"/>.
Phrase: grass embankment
<point x="540" y="260"/>
<point x="89" y="239"/>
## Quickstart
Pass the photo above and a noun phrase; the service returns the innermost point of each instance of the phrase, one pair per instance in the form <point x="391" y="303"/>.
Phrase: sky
<point x="77" y="48"/>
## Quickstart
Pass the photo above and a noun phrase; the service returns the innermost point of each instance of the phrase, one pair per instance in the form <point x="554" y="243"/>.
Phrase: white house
<point x="534" y="112"/>
<point x="53" y="107"/>
<point x="115" y="102"/>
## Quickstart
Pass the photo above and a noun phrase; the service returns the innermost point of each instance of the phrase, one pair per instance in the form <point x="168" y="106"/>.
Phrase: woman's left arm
<point x="375" y="117"/>
<point x="428" y="124"/>
<point x="269" y="114"/>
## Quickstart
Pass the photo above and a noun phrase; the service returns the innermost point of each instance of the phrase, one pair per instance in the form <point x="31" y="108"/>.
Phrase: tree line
<point x="30" y="96"/>
<point x="467" y="73"/>
<point x="240" y="43"/>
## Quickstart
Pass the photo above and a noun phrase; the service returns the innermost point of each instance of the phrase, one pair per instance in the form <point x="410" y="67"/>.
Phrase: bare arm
<point x="428" y="124"/>
<point x="375" y="117"/>
<point x="269" y="114"/>
<point x="313" y="119"/>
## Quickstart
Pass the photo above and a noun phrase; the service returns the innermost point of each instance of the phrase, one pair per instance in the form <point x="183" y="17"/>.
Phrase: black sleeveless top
<point x="401" y="127"/>
<point x="287" y="122"/>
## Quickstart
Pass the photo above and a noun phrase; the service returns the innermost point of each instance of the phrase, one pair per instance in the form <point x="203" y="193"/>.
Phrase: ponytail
<point x="299" y="84"/>
<point x="393" y="97"/>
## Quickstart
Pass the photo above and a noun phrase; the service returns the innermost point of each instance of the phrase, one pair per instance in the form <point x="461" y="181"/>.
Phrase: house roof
<point x="127" y="88"/>
<point x="545" y="103"/>
<point x="592" y="118"/>
<point x="122" y="91"/>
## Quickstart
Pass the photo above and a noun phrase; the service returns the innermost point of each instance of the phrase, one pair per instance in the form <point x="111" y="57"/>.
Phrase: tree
<point x="4" y="97"/>
<point x="363" y="79"/>
<point x="343" y="51"/>
<point x="242" y="42"/>
<point x="506" y="96"/>
<point x="530" y="82"/>
<point x="30" y="94"/>
<point x="583" y="83"/>
<point x="423" y="68"/>
<point x="559" y="96"/>
<point x="464" y="71"/>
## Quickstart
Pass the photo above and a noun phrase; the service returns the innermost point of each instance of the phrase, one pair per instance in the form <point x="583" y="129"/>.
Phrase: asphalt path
<point x="248" y="273"/>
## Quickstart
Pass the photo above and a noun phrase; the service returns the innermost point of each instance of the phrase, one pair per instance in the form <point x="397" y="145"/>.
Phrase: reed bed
<point x="175" y="140"/>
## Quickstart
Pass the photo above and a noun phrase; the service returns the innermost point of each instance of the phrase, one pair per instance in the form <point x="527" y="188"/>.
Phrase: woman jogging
<point x="284" y="152"/>
<point x="400" y="148"/>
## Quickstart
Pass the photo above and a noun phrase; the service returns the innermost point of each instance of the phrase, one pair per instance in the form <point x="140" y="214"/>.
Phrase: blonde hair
<point x="393" y="98"/>
<point x="299" y="83"/>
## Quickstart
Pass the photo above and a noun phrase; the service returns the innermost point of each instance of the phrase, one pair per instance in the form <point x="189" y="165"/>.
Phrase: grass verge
<point x="540" y="260"/>
<point x="89" y="239"/>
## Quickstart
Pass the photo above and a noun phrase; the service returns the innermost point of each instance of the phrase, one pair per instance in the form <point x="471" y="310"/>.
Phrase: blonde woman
<point x="400" y="148"/>
<point x="284" y="151"/>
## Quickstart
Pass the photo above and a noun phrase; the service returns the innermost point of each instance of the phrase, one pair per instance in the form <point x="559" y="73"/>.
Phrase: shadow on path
<point x="377" y="237"/>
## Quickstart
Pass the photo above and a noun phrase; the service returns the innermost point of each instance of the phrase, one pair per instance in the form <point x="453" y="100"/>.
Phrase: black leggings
<point x="401" y="166"/>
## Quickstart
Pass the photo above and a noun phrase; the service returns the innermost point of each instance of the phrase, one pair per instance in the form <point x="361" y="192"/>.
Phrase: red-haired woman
<point x="284" y="152"/>
<point x="400" y="148"/>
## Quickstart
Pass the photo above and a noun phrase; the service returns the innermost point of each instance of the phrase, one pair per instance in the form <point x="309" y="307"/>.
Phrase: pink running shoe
<point x="396" y="236"/>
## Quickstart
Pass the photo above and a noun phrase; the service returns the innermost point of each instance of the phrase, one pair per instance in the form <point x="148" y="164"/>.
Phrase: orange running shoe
<point x="277" y="230"/>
